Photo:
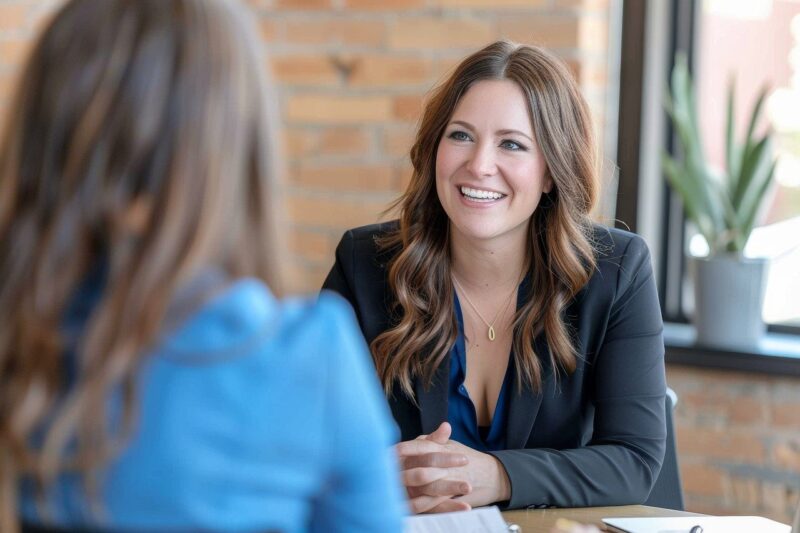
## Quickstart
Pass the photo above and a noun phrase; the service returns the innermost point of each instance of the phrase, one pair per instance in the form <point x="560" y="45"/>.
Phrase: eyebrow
<point x="500" y="132"/>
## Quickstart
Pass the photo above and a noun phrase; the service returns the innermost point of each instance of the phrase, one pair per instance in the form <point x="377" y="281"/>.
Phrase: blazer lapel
<point x="522" y="411"/>
<point x="433" y="402"/>
<point x="524" y="406"/>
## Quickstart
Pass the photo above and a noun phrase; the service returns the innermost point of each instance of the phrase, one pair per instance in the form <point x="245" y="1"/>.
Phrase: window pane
<point x="758" y="43"/>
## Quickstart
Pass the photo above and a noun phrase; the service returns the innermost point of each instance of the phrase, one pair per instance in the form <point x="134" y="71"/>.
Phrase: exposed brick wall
<point x="352" y="77"/>
<point x="738" y="440"/>
<point x="354" y="74"/>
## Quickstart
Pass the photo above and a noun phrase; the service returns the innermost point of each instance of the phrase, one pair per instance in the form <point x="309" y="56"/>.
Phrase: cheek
<point x="445" y="162"/>
<point x="529" y="180"/>
<point x="440" y="174"/>
<point x="438" y="165"/>
<point x="525" y="175"/>
<point x="541" y="182"/>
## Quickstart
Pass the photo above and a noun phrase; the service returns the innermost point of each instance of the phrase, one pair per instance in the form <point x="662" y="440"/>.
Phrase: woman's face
<point x="490" y="172"/>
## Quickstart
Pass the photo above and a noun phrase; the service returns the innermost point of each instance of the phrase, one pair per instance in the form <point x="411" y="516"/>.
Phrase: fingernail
<point x="464" y="488"/>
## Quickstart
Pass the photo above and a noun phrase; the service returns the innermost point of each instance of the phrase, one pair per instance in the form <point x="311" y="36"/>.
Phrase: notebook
<point x="482" y="520"/>
<point x="684" y="524"/>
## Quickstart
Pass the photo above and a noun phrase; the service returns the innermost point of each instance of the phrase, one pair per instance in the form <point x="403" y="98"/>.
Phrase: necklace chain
<point x="490" y="332"/>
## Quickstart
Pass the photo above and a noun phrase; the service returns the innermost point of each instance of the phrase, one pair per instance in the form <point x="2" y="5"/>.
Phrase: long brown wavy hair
<point x="560" y="254"/>
<point x="139" y="138"/>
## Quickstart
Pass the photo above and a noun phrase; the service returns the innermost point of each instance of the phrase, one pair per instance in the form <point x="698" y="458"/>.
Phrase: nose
<point x="482" y="162"/>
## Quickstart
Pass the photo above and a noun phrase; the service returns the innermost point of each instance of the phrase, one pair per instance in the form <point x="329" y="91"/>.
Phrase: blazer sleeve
<point x="621" y="462"/>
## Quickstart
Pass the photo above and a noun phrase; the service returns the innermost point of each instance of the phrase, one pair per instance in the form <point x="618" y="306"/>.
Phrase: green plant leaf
<point x="731" y="150"/>
<point x="762" y="95"/>
<point x="754" y="158"/>
<point x="693" y="199"/>
<point x="725" y="210"/>
<point x="683" y="112"/>
<point x="752" y="202"/>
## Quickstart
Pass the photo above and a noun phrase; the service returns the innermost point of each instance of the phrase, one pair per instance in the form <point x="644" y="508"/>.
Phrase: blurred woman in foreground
<point x="148" y="377"/>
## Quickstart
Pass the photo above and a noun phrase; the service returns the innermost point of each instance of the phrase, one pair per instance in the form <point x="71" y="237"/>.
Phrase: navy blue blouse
<point x="460" y="409"/>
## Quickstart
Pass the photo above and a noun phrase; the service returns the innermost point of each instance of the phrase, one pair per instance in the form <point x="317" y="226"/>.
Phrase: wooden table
<point x="543" y="520"/>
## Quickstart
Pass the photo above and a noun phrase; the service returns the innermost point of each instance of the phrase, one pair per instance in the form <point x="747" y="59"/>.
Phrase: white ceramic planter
<point x="729" y="296"/>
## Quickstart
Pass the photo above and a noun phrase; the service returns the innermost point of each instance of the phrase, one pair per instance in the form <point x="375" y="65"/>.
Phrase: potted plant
<point x="723" y="205"/>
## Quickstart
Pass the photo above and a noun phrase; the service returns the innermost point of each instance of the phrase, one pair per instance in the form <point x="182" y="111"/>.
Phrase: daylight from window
<point x="757" y="42"/>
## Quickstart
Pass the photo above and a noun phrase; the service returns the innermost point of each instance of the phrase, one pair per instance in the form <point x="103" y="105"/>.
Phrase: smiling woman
<point x="558" y="400"/>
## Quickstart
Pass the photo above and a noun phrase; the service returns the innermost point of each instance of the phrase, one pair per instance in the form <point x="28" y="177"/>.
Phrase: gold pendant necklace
<point x="490" y="333"/>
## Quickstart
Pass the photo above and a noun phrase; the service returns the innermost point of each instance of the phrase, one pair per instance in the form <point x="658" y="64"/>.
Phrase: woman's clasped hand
<point x="442" y="475"/>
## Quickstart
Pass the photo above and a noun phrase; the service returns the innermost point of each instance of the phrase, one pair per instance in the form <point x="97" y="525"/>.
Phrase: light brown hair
<point x="138" y="139"/>
<point x="560" y="254"/>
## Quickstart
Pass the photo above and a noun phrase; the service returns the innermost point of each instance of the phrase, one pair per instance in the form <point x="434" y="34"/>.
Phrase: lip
<point x="475" y="203"/>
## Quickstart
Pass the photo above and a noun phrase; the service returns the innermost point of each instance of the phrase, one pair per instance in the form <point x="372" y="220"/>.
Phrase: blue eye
<point x="459" y="135"/>
<point x="512" y="145"/>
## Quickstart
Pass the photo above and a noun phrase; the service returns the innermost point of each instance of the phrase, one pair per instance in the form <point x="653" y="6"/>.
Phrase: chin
<point x="477" y="231"/>
<point x="485" y="230"/>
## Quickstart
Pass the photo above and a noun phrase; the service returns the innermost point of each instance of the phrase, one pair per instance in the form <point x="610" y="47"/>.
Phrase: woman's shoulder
<point x="611" y="243"/>
<point x="327" y="316"/>
<point x="621" y="256"/>
<point x="370" y="239"/>
<point x="370" y="232"/>
<point x="364" y="252"/>
<point x="246" y="318"/>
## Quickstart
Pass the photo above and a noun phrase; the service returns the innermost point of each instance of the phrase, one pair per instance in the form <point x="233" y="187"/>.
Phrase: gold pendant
<point x="491" y="333"/>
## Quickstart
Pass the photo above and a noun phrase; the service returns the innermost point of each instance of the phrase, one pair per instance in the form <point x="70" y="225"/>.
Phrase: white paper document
<point x="710" y="524"/>
<point x="483" y="520"/>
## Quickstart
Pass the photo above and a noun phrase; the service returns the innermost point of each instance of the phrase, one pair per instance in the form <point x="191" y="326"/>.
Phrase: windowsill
<point x="777" y="353"/>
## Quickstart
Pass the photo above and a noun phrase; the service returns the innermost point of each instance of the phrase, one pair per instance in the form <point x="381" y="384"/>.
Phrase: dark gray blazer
<point x="593" y="438"/>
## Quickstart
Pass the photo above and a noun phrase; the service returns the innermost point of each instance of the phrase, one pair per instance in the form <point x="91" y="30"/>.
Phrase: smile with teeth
<point x="479" y="195"/>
